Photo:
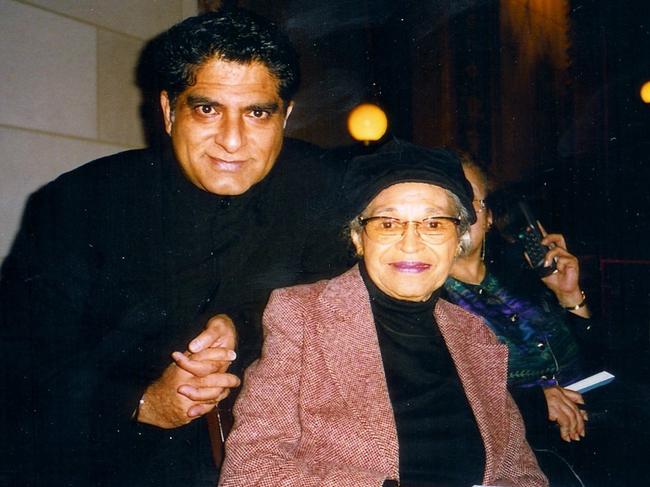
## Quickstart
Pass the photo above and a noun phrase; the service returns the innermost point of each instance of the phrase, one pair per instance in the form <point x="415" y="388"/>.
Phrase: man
<point x="108" y="365"/>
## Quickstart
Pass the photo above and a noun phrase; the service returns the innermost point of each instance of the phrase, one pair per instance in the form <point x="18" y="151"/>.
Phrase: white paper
<point x="591" y="382"/>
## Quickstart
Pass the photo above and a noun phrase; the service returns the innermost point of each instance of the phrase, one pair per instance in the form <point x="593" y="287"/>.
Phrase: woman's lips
<point x="410" y="266"/>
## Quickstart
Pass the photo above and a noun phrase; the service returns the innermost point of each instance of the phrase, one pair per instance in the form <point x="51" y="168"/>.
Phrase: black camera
<point x="530" y="236"/>
<point x="516" y="222"/>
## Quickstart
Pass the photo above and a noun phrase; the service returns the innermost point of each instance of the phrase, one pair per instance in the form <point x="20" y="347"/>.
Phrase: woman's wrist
<point x="577" y="305"/>
<point x="575" y="301"/>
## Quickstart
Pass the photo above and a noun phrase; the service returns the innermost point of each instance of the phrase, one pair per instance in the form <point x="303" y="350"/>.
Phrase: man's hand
<point x="219" y="332"/>
<point x="563" y="408"/>
<point x="196" y="381"/>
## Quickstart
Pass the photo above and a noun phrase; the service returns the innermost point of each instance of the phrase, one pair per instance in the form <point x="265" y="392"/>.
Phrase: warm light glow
<point x="367" y="122"/>
<point x="645" y="92"/>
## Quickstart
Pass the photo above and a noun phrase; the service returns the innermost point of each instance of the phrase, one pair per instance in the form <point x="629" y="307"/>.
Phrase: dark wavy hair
<point x="229" y="34"/>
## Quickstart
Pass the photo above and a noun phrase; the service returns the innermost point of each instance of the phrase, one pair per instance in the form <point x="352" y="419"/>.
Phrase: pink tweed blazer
<point x="314" y="409"/>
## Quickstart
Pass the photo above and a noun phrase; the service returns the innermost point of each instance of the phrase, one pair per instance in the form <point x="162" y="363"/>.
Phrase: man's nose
<point x="231" y="134"/>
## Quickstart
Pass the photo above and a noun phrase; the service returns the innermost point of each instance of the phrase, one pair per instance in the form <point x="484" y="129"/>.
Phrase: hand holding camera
<point x="547" y="254"/>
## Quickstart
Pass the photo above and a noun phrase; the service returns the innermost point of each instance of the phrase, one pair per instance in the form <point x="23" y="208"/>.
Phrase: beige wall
<point x="67" y="87"/>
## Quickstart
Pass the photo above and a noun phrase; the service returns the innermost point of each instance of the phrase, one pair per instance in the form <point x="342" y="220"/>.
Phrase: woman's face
<point x="412" y="267"/>
<point x="483" y="215"/>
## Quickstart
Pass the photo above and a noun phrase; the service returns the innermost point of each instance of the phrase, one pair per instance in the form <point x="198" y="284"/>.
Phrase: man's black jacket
<point x="116" y="265"/>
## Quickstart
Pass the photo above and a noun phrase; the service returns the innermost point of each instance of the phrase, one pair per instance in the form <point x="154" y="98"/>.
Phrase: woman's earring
<point x="483" y="250"/>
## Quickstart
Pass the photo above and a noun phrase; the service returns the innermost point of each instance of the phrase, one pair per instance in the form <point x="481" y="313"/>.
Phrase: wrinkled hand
<point x="196" y="381"/>
<point x="563" y="408"/>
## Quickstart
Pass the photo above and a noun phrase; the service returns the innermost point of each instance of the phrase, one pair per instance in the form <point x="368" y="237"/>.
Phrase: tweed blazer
<point x="314" y="410"/>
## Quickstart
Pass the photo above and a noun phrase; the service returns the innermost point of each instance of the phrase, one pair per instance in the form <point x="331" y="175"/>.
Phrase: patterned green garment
<point x="542" y="349"/>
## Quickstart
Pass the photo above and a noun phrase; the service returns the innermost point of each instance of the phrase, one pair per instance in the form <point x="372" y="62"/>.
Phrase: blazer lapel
<point x="352" y="356"/>
<point x="347" y="336"/>
<point x="482" y="367"/>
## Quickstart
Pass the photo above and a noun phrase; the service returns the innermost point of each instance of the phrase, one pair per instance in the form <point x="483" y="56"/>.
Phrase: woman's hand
<point x="563" y="409"/>
<point x="564" y="282"/>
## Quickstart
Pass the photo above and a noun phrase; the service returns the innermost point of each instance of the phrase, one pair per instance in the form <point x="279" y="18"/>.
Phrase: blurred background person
<point x="552" y="341"/>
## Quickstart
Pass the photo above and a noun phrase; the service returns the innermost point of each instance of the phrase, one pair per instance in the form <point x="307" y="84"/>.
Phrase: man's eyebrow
<point x="271" y="107"/>
<point x="195" y="100"/>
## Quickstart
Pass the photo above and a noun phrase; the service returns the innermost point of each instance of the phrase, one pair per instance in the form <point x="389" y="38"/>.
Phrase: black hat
<point x="398" y="161"/>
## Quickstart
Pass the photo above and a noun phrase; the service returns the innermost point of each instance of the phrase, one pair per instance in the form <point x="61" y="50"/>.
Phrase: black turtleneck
<point x="439" y="441"/>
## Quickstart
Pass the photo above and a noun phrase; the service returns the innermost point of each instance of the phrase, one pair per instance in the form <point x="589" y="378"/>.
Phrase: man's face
<point x="227" y="128"/>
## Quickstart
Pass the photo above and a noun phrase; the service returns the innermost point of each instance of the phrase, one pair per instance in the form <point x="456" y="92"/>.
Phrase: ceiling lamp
<point x="367" y="123"/>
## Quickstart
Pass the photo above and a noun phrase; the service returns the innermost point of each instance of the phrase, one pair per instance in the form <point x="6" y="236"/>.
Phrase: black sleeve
<point x="590" y="335"/>
<point x="71" y="376"/>
<point x="532" y="405"/>
<point x="43" y="293"/>
<point x="508" y="265"/>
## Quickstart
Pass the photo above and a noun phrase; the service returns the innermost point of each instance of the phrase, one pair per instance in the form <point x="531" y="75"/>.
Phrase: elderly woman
<point x="369" y="379"/>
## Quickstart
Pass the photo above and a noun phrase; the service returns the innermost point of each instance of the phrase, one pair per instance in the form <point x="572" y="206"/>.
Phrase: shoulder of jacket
<point x="127" y="164"/>
<point x="300" y="293"/>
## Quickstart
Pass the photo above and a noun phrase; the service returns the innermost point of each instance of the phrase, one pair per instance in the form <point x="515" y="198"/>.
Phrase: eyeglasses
<point x="385" y="229"/>
<point x="479" y="206"/>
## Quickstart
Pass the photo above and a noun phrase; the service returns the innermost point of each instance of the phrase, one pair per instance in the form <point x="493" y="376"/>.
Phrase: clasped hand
<point x="564" y="408"/>
<point x="195" y="381"/>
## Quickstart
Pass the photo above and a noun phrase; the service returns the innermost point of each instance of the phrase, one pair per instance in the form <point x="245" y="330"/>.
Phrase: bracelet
<point x="136" y="411"/>
<point x="581" y="304"/>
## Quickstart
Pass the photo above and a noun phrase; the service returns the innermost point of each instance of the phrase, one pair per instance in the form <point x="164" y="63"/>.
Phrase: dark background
<point x="546" y="93"/>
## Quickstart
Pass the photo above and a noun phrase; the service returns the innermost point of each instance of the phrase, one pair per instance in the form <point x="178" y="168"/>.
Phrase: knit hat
<point x="398" y="161"/>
